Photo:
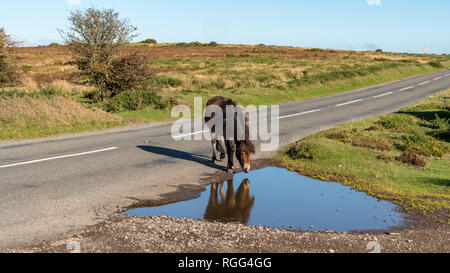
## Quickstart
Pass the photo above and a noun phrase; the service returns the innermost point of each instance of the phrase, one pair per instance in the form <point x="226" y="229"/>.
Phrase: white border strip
<point x="349" y="102"/>
<point x="382" y="95"/>
<point x="57" y="157"/>
<point x="190" y="134"/>
<point x="407" y="88"/>
<point x="299" y="114"/>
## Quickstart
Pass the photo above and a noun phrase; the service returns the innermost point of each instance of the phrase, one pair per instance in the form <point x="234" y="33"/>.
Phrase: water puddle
<point x="276" y="197"/>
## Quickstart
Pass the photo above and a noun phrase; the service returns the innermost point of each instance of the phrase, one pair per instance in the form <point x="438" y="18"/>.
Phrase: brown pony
<point x="242" y="148"/>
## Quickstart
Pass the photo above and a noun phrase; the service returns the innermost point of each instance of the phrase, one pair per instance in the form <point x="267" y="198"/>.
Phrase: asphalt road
<point x="59" y="185"/>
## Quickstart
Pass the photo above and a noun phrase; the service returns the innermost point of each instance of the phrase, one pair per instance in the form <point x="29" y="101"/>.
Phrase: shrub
<point x="97" y="39"/>
<point x="135" y="100"/>
<point x="376" y="127"/>
<point x="376" y="143"/>
<point x="355" y="138"/>
<point x="9" y="72"/>
<point x="163" y="80"/>
<point x="300" y="150"/>
<point x="126" y="72"/>
<point x="422" y="144"/>
<point x="343" y="74"/>
<point x="26" y="68"/>
<point x="314" y="49"/>
<point x="47" y="92"/>
<point x="441" y="128"/>
<point x="379" y="50"/>
<point x="435" y="64"/>
<point x="213" y="44"/>
<point x="50" y="92"/>
<point x="411" y="157"/>
<point x="53" y="44"/>
<point x="149" y="41"/>
<point x="399" y="122"/>
<point x="343" y="135"/>
<point x="93" y="95"/>
<point x="384" y="158"/>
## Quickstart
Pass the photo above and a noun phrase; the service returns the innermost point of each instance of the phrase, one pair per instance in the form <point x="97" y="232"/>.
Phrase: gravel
<point x="171" y="235"/>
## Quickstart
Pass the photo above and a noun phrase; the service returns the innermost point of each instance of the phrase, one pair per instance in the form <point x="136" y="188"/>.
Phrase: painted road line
<point x="422" y="83"/>
<point x="382" y="95"/>
<point x="299" y="114"/>
<point x="438" y="78"/>
<point x="190" y="134"/>
<point x="349" y="102"/>
<point x="407" y="88"/>
<point x="57" y="157"/>
<point x="446" y="75"/>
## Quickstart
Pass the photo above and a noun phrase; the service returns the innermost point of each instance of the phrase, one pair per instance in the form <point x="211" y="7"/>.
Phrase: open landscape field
<point x="53" y="98"/>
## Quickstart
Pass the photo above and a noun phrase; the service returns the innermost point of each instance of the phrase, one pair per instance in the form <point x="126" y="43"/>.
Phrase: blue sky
<point x="393" y="25"/>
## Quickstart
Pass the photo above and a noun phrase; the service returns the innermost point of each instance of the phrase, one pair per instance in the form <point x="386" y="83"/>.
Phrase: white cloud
<point x="374" y="2"/>
<point x="73" y="2"/>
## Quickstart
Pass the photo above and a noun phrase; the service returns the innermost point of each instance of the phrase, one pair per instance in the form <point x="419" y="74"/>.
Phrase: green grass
<point x="268" y="75"/>
<point x="258" y="75"/>
<point x="47" y="112"/>
<point x="146" y="115"/>
<point x="341" y="154"/>
<point x="278" y="95"/>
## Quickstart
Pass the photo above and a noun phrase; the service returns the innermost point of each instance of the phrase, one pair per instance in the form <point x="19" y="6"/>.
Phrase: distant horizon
<point x="322" y="48"/>
<point x="360" y="25"/>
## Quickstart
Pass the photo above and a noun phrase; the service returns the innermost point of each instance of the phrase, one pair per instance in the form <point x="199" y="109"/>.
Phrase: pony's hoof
<point x="222" y="157"/>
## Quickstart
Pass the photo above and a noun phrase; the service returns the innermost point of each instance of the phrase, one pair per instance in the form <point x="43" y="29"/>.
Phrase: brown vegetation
<point x="413" y="158"/>
<point x="356" y="138"/>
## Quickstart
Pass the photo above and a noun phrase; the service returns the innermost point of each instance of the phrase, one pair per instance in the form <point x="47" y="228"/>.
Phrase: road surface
<point x="53" y="186"/>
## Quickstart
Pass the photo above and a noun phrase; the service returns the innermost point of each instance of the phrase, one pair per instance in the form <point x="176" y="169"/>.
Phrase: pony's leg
<point x="213" y="142"/>
<point x="222" y="148"/>
<point x="230" y="153"/>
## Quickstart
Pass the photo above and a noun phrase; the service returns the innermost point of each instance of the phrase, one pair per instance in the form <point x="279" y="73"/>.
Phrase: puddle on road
<point x="276" y="197"/>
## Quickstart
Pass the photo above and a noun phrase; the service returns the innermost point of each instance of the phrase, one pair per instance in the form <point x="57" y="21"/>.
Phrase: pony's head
<point x="244" y="149"/>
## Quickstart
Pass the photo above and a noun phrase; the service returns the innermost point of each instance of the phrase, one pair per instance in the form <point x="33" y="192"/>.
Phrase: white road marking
<point x="422" y="83"/>
<point x="407" y="88"/>
<point x="438" y="78"/>
<point x="446" y="75"/>
<point x="382" y="95"/>
<point x="57" y="157"/>
<point x="190" y="134"/>
<point x="349" y="102"/>
<point x="298" y="114"/>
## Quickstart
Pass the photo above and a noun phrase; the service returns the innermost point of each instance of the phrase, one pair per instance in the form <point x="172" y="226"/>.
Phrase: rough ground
<point x="166" y="234"/>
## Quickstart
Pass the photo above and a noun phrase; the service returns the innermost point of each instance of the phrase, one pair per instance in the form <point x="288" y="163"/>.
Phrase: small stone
<point x="331" y="251"/>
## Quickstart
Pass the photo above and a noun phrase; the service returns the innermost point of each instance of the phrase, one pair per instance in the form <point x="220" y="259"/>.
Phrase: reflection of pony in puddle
<point x="232" y="206"/>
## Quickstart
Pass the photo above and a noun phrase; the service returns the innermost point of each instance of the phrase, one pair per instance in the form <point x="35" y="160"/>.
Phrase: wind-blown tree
<point x="9" y="72"/>
<point x="97" y="40"/>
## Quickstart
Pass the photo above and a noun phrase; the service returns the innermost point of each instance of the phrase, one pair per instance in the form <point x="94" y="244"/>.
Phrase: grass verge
<point x="401" y="156"/>
<point x="46" y="113"/>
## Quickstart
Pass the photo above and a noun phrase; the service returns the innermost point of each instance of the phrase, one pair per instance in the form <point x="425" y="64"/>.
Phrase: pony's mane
<point x="249" y="145"/>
